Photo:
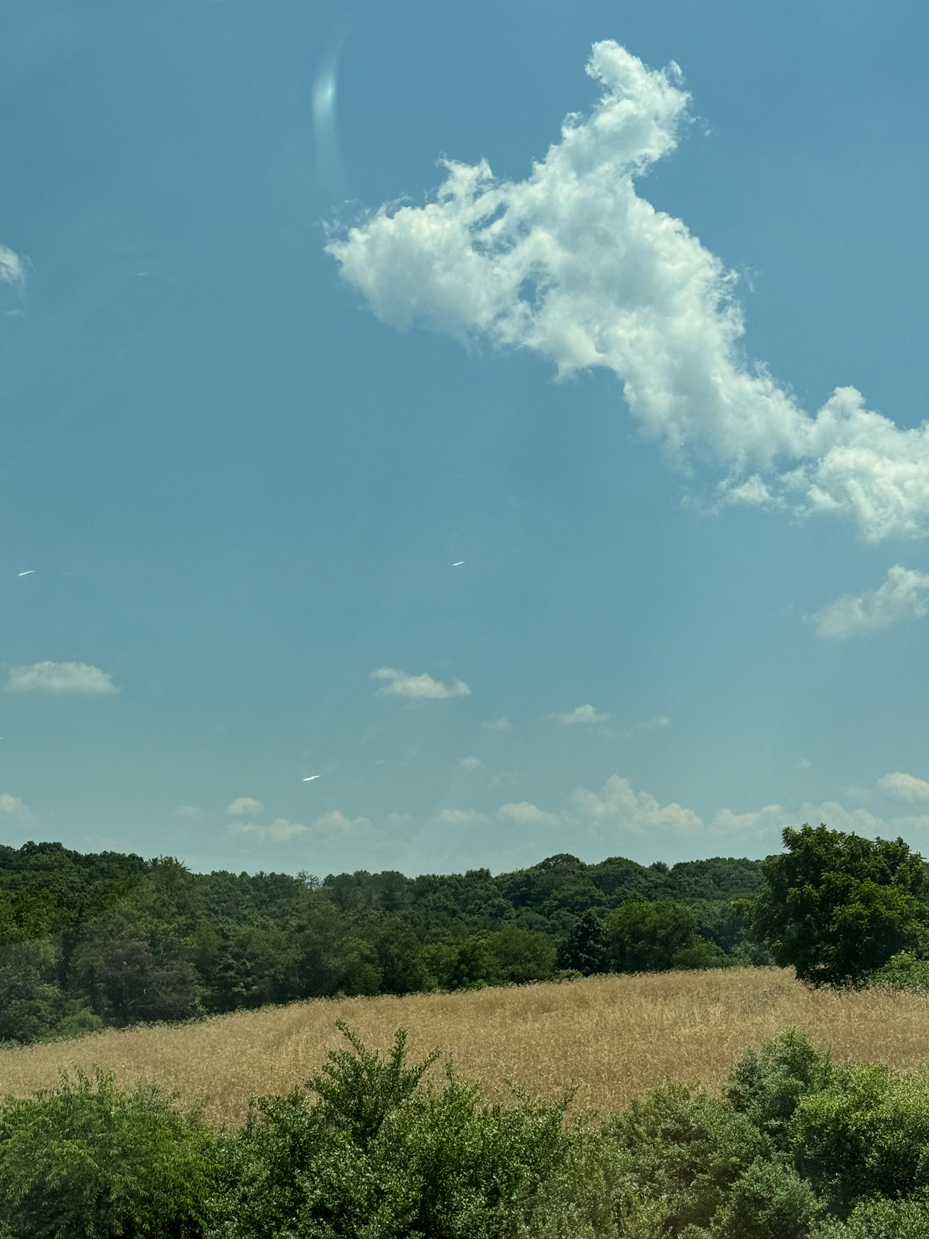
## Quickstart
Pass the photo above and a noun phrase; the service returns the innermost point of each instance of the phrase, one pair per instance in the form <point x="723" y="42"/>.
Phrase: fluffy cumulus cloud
<point x="12" y="267"/>
<point x="904" y="786"/>
<point x="244" y="806"/>
<point x="402" y="684"/>
<point x="523" y="813"/>
<point x="278" y="831"/>
<point x="574" y="265"/>
<point x="336" y="823"/>
<point x="49" y="677"/>
<point x="12" y="806"/>
<point x="620" y="807"/>
<point x="470" y="763"/>
<point x="582" y="715"/>
<point x="902" y="596"/>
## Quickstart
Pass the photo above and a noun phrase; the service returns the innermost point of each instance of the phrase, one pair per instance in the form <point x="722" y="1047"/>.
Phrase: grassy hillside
<point x="615" y="1037"/>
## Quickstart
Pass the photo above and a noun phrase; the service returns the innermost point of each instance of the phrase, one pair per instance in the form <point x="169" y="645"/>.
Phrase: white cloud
<point x="904" y="786"/>
<point x="12" y="267"/>
<point x="902" y="596"/>
<point x="48" y="677"/>
<point x="583" y="715"/>
<point x="657" y="722"/>
<point x="461" y="817"/>
<point x="620" y="807"/>
<point x="499" y="724"/>
<point x="244" y="806"/>
<point x="526" y="814"/>
<point x="336" y="823"/>
<point x="402" y="684"/>
<point x="187" y="810"/>
<point x="470" y="763"/>
<point x="12" y="806"/>
<point x="573" y="265"/>
<point x="279" y="831"/>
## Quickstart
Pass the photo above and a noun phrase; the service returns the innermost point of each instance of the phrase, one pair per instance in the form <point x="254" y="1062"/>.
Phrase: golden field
<point x="613" y="1037"/>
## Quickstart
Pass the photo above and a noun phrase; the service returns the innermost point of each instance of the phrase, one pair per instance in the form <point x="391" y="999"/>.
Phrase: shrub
<point x="686" y="1150"/>
<point x="381" y="1155"/>
<point x="89" y="1161"/>
<point x="766" y="1085"/>
<point x="881" y="1219"/>
<point x="865" y="1134"/>
<point x="902" y="971"/>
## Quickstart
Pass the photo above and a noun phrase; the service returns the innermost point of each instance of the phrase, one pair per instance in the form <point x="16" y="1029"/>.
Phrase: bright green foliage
<point x="687" y="1150"/>
<point x="881" y="1219"/>
<point x="87" y="1161"/>
<point x="381" y="1156"/>
<point x="865" y="1134"/>
<point x="837" y="907"/>
<point x="766" y="1085"/>
<point x="903" y="971"/>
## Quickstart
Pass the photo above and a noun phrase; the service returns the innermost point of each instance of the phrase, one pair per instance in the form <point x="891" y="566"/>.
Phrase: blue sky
<point x="538" y="484"/>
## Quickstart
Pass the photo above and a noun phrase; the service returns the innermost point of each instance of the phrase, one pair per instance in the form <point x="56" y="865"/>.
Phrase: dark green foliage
<point x="905" y="971"/>
<point x="881" y="1219"/>
<point x="586" y="950"/>
<point x="115" y="940"/>
<point x="837" y="907"/>
<point x="87" y="1161"/>
<point x="650" y="937"/>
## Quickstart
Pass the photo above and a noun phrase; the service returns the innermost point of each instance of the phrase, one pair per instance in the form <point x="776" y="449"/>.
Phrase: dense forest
<point x="89" y="941"/>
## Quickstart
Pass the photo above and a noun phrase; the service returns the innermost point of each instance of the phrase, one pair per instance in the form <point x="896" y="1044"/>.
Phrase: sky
<point x="442" y="436"/>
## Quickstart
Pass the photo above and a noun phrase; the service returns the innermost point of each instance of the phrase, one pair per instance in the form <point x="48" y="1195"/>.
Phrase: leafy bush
<point x="89" y="1161"/>
<point x="881" y="1219"/>
<point x="902" y="971"/>
<point x="865" y="1134"/>
<point x="647" y="937"/>
<point x="766" y="1085"/>
<point x="381" y="1155"/>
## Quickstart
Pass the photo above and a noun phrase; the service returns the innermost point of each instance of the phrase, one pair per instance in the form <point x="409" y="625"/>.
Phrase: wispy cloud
<point x="499" y="724"/>
<point x="573" y="265"/>
<point x="461" y="817"/>
<point x="470" y="763"/>
<point x="583" y="716"/>
<point x="902" y="596"/>
<point x="904" y="786"/>
<point x="657" y="722"/>
<point x="188" y="810"/>
<point x="402" y="684"/>
<point x="244" y="806"/>
<point x="12" y="267"/>
<point x="49" y="677"/>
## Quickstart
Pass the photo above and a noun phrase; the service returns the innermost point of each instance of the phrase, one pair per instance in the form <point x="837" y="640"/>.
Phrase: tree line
<point x="96" y="940"/>
<point x="107" y="939"/>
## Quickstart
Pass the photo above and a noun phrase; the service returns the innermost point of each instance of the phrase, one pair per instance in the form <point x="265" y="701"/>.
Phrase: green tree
<point x="648" y="937"/>
<point x="836" y="907"/>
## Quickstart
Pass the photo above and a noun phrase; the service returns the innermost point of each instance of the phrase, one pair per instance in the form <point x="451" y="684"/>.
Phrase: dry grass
<point x="614" y="1037"/>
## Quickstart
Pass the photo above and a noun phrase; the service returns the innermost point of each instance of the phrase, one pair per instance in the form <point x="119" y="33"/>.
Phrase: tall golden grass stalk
<point x="613" y="1037"/>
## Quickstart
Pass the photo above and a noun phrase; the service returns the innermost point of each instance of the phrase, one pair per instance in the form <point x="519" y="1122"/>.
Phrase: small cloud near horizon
<point x="244" y="806"/>
<point x="582" y="715"/>
<point x="904" y="786"/>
